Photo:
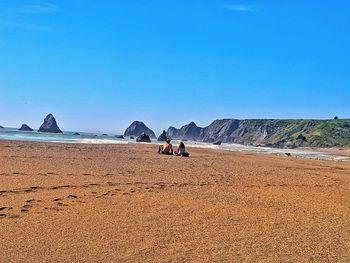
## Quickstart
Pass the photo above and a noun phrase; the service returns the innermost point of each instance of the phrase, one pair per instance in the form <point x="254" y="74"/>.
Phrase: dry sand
<point x="125" y="203"/>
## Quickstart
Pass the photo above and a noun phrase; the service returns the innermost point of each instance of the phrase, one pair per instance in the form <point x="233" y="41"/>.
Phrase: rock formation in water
<point x="143" y="138"/>
<point x="76" y="133"/>
<point x="1" y="127"/>
<point x="25" y="127"/>
<point x="163" y="137"/>
<point x="137" y="128"/>
<point x="119" y="136"/>
<point x="50" y="125"/>
<point x="188" y="132"/>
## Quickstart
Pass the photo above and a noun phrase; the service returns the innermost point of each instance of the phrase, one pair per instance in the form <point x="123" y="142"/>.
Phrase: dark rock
<point x="25" y="127"/>
<point x="105" y="134"/>
<point x="119" y="136"/>
<point x="137" y="128"/>
<point x="76" y="133"/>
<point x="217" y="143"/>
<point x="288" y="154"/>
<point x="143" y="138"/>
<point x="50" y="125"/>
<point x="301" y="138"/>
<point x="132" y="137"/>
<point x="163" y="137"/>
<point x="1" y="127"/>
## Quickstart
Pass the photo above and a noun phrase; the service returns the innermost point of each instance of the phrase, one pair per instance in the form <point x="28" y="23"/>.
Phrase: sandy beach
<point x="125" y="203"/>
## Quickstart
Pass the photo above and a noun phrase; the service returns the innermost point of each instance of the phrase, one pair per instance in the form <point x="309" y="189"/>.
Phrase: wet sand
<point x="336" y="151"/>
<point x="125" y="203"/>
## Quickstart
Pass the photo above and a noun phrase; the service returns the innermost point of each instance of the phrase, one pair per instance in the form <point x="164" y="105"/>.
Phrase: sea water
<point x="96" y="138"/>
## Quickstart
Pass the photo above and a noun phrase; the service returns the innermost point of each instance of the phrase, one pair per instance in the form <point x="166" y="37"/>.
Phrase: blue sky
<point x="97" y="67"/>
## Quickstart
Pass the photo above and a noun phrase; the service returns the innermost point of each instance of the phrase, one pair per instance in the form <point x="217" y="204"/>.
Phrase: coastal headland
<point x="125" y="203"/>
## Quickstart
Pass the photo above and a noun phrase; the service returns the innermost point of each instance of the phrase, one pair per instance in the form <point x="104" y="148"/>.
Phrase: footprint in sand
<point x="4" y="208"/>
<point x="25" y="208"/>
<point x="13" y="216"/>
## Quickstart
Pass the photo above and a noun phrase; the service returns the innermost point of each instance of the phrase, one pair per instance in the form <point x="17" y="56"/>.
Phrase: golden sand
<point x="125" y="203"/>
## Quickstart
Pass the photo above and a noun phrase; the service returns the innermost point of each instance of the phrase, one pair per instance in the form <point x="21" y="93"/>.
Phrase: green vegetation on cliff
<point x="280" y="133"/>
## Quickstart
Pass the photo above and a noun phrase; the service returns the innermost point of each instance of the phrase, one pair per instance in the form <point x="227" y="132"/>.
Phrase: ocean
<point x="96" y="138"/>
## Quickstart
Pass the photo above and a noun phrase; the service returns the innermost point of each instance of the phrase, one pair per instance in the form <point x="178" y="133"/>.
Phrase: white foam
<point x="94" y="141"/>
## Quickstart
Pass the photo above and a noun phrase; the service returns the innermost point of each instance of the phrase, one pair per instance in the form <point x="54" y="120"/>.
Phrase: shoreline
<point x="312" y="153"/>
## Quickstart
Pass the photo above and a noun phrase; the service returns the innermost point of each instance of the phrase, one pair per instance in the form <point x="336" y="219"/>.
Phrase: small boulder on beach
<point x="143" y="138"/>
<point x="217" y="143"/>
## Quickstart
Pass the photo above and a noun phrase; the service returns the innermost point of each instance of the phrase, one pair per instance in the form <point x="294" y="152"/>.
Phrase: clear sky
<point x="98" y="65"/>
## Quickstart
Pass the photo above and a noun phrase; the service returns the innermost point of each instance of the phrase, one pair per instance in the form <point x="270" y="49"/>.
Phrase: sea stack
<point x="137" y="128"/>
<point x="1" y="127"/>
<point x="50" y="125"/>
<point x="25" y="127"/>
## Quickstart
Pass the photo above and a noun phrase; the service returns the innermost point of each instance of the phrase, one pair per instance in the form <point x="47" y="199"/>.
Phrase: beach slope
<point x="125" y="203"/>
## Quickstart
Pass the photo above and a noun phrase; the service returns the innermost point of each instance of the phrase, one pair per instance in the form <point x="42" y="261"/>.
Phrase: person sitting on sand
<point x="167" y="148"/>
<point x="181" y="150"/>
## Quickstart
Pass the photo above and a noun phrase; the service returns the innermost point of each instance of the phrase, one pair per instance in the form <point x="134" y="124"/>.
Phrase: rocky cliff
<point x="137" y="128"/>
<point x="50" y="125"/>
<point x="270" y="132"/>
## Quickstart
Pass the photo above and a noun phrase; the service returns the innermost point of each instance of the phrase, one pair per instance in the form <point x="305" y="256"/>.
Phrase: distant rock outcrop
<point x="163" y="137"/>
<point x="173" y="133"/>
<point x="76" y="133"/>
<point x="137" y="128"/>
<point x="189" y="132"/>
<point x="25" y="127"/>
<point x="50" y="125"/>
<point x="119" y="136"/>
<point x="143" y="138"/>
<point x="1" y="127"/>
